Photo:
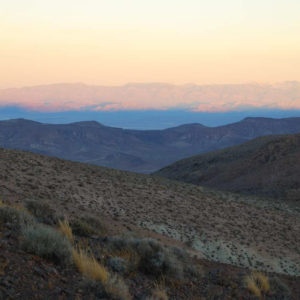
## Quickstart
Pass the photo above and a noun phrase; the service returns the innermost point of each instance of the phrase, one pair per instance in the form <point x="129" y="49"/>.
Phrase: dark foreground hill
<point x="267" y="166"/>
<point x="134" y="150"/>
<point x="205" y="244"/>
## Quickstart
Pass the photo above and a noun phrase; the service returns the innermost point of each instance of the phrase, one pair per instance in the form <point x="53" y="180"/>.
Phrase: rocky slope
<point x="267" y="166"/>
<point x="29" y="274"/>
<point x="219" y="227"/>
<point x="134" y="150"/>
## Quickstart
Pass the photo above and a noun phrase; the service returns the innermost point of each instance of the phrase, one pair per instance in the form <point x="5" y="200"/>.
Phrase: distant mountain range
<point x="157" y="96"/>
<point x="267" y="166"/>
<point x="134" y="150"/>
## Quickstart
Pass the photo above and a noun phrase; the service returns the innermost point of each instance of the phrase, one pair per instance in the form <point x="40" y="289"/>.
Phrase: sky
<point x="115" y="42"/>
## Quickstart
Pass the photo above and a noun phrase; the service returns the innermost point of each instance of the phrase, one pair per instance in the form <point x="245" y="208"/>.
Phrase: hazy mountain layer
<point x="134" y="150"/>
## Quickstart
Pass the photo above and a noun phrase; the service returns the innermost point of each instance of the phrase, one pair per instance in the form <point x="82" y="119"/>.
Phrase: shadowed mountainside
<point x="134" y="150"/>
<point x="267" y="166"/>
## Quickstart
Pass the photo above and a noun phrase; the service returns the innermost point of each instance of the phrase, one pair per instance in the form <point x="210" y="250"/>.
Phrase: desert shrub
<point x="88" y="266"/>
<point x="121" y="243"/>
<point x="96" y="223"/>
<point x="47" y="242"/>
<point x="129" y="256"/>
<point x="15" y="218"/>
<point x="195" y="271"/>
<point x="87" y="226"/>
<point x="154" y="258"/>
<point x="180" y="253"/>
<point x="42" y="211"/>
<point x="81" y="228"/>
<point x="117" y="289"/>
<point x="280" y="289"/>
<point x="157" y="260"/>
<point x="66" y="230"/>
<point x="117" y="264"/>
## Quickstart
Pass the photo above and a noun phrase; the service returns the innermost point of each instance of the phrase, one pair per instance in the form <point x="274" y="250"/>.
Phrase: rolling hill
<point x="267" y="166"/>
<point x="134" y="150"/>
<point x="218" y="227"/>
<point x="153" y="238"/>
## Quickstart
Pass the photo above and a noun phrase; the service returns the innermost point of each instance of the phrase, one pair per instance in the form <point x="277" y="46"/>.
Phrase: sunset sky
<point x="115" y="42"/>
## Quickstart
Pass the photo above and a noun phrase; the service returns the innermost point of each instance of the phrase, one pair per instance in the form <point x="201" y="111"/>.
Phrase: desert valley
<point x="198" y="228"/>
<point x="150" y="150"/>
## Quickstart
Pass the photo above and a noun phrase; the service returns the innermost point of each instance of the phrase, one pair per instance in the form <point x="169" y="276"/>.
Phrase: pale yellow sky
<point x="114" y="42"/>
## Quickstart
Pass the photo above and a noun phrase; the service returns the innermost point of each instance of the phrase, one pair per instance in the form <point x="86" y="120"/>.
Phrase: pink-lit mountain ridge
<point x="159" y="96"/>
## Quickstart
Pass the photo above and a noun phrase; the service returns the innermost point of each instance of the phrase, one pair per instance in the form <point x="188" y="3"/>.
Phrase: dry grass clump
<point x="103" y="283"/>
<point x="65" y="229"/>
<point x="263" y="282"/>
<point x="252" y="286"/>
<point x="112" y="286"/>
<point x="257" y="284"/>
<point x="89" y="266"/>
<point x="159" y="292"/>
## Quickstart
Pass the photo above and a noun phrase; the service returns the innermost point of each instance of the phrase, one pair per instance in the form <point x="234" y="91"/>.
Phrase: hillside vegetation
<point x="267" y="166"/>
<point x="218" y="226"/>
<point x="76" y="231"/>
